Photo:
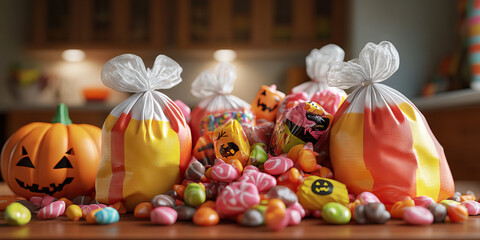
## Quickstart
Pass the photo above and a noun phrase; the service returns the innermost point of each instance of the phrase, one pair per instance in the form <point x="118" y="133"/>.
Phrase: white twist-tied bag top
<point x="216" y="86"/>
<point x="375" y="64"/>
<point x="127" y="73"/>
<point x="318" y="63"/>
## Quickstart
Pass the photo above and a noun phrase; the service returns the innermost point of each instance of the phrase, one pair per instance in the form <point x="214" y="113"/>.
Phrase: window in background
<point x="199" y="20"/>
<point x="58" y="20"/>
<point x="241" y="20"/>
<point x="102" y="15"/>
<point x="282" y="29"/>
<point x="140" y="17"/>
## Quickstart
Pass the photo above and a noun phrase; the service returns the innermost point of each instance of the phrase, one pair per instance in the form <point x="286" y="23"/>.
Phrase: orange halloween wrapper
<point x="146" y="142"/>
<point x="380" y="142"/>
<point x="265" y="105"/>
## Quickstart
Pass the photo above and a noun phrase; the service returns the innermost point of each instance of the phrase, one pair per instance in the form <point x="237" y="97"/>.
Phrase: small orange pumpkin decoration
<point x="58" y="159"/>
<point x="265" y="105"/>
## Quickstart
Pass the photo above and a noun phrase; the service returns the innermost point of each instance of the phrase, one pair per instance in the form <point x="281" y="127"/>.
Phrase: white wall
<point x="423" y="31"/>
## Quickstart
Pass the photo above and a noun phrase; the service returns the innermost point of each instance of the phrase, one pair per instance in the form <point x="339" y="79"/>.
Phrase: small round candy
<point x="294" y="217"/>
<point x="307" y="160"/>
<point x="399" y="207"/>
<point x="185" y="213"/>
<point x="224" y="172"/>
<point x="423" y="201"/>
<point x="195" y="171"/>
<point x="367" y="197"/>
<point x="473" y="207"/>
<point x="74" y="212"/>
<point x="359" y="214"/>
<point x="438" y="211"/>
<point x="376" y="213"/>
<point x="298" y="207"/>
<point x="163" y="216"/>
<point x="90" y="218"/>
<point x="47" y="200"/>
<point x="16" y="214"/>
<point x="252" y="218"/>
<point x="457" y="213"/>
<point x="417" y="216"/>
<point x="107" y="215"/>
<point x="163" y="200"/>
<point x="194" y="194"/>
<point x="283" y="193"/>
<point x="336" y="213"/>
<point x="143" y="210"/>
<point x="206" y="217"/>
<point x="277" y="165"/>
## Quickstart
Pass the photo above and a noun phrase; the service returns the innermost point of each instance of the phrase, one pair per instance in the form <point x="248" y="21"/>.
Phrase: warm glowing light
<point x="225" y="55"/>
<point x="73" y="55"/>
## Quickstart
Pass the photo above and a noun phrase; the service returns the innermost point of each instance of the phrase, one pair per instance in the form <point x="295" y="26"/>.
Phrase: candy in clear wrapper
<point x="214" y="87"/>
<point x="146" y="142"/>
<point x="306" y="122"/>
<point x="260" y="132"/>
<point x="380" y="142"/>
<point x="265" y="104"/>
<point x="204" y="151"/>
<point x="212" y="121"/>
<point x="230" y="142"/>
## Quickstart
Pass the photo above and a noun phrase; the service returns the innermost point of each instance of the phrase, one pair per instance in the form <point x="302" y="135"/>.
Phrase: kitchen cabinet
<point x="98" y="23"/>
<point x="260" y="23"/>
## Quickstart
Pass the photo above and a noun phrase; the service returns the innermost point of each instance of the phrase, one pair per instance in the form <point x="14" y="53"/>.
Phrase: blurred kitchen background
<point x="270" y="38"/>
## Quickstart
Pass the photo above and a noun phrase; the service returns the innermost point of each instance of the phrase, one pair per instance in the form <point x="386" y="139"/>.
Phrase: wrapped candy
<point x="380" y="142"/>
<point x="215" y="88"/>
<point x="265" y="104"/>
<point x="231" y="143"/>
<point x="329" y="98"/>
<point x="146" y="142"/>
<point x="212" y="121"/>
<point x="306" y="122"/>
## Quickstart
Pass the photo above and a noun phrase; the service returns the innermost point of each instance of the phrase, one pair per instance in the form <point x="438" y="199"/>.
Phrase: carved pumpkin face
<point x="52" y="159"/>
<point x="266" y="103"/>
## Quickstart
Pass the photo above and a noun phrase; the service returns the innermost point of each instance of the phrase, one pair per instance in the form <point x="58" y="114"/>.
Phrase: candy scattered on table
<point x="417" y="215"/>
<point x="107" y="215"/>
<point x="438" y="211"/>
<point x="206" y="216"/>
<point x="74" y="212"/>
<point x="52" y="210"/>
<point x="163" y="216"/>
<point x="336" y="213"/>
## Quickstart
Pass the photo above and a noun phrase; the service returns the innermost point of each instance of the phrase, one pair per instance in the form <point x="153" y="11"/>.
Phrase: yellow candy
<point x="316" y="192"/>
<point x="230" y="142"/>
<point x="74" y="212"/>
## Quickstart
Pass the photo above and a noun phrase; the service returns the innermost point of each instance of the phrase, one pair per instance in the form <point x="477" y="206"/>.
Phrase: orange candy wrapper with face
<point x="231" y="142"/>
<point x="266" y="103"/>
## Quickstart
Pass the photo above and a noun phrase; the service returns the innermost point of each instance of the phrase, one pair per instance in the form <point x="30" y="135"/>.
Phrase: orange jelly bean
<point x="143" y="210"/>
<point x="467" y="197"/>
<point x="206" y="216"/>
<point x="179" y="189"/>
<point x="457" y="213"/>
<point x="399" y="207"/>
<point x="307" y="160"/>
<point x="275" y="215"/>
<point x="119" y="207"/>
<point x="294" y="152"/>
<point x="90" y="218"/>
<point x="66" y="201"/>
<point x="325" y="172"/>
<point x="211" y="204"/>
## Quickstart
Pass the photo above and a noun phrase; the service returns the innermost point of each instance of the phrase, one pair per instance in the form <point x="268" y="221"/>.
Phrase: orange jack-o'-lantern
<point x="58" y="159"/>
<point x="265" y="105"/>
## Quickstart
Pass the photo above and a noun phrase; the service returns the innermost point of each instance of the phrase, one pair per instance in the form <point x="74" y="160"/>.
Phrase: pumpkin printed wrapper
<point x="231" y="143"/>
<point x="146" y="142"/>
<point x="266" y="104"/>
<point x="391" y="150"/>
<point x="305" y="122"/>
<point x="316" y="191"/>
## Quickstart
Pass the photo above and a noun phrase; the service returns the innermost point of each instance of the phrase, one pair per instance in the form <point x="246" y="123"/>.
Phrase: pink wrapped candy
<point x="294" y="217"/>
<point x="37" y="201"/>
<point x="47" y="200"/>
<point x="263" y="181"/>
<point x="299" y="208"/>
<point x="473" y="207"/>
<point x="224" y="172"/>
<point x="277" y="165"/>
<point x="52" y="210"/>
<point x="237" y="198"/>
<point x="291" y="99"/>
<point x="423" y="201"/>
<point x="163" y="216"/>
<point x="417" y="216"/>
<point x="367" y="197"/>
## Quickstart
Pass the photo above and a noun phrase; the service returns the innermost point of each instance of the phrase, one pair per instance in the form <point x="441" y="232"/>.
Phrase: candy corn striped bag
<point x="380" y="142"/>
<point x="146" y="142"/>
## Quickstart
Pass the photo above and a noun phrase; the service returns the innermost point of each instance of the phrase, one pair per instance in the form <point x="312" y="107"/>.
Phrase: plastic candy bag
<point x="317" y="89"/>
<point x="380" y="142"/>
<point x="146" y="142"/>
<point x="215" y="88"/>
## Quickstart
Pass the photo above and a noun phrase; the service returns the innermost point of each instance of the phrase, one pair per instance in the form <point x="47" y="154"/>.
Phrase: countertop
<point x="130" y="228"/>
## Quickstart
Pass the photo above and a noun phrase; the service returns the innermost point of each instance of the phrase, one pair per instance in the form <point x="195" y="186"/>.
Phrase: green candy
<point x="258" y="155"/>
<point x="17" y="215"/>
<point x="194" y="195"/>
<point x="336" y="213"/>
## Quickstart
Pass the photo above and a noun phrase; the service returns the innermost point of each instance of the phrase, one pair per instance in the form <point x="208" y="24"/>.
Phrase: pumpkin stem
<point x="61" y="116"/>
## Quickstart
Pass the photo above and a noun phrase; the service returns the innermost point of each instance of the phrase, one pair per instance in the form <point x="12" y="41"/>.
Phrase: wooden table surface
<point x="130" y="228"/>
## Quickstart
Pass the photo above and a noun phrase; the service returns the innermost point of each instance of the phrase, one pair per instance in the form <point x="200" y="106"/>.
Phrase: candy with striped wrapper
<point x="52" y="210"/>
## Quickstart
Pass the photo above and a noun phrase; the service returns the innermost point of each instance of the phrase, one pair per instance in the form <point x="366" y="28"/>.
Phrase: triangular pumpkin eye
<point x="25" y="162"/>
<point x="264" y="93"/>
<point x="70" y="152"/>
<point x="63" y="163"/>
